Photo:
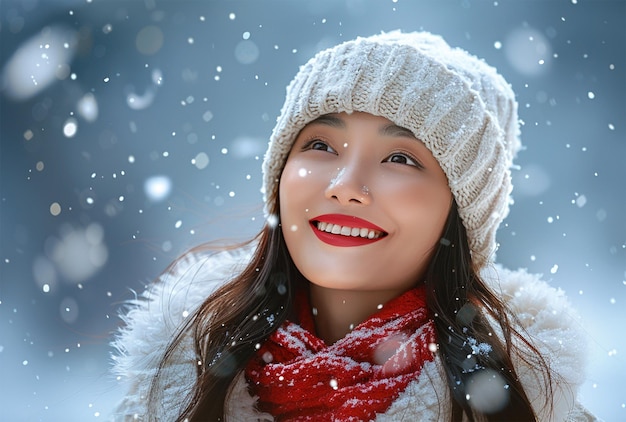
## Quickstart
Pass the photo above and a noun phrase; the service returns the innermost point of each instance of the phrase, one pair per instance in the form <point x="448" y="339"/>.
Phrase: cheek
<point x="425" y="208"/>
<point x="295" y="182"/>
<point x="289" y="185"/>
<point x="293" y="192"/>
<point x="301" y="179"/>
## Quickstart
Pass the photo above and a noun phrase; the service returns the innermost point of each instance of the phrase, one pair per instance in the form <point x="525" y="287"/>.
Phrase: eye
<point x="402" y="158"/>
<point x="318" y="145"/>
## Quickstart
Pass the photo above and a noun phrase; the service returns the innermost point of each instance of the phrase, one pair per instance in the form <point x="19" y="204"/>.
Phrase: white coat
<point x="152" y="320"/>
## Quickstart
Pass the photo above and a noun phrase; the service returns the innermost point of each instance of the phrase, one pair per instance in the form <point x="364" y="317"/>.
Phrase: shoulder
<point x="526" y="292"/>
<point x="152" y="319"/>
<point x="542" y="311"/>
<point x="547" y="320"/>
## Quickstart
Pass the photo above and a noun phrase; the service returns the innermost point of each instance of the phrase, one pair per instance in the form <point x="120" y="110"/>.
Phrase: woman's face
<point x="363" y="203"/>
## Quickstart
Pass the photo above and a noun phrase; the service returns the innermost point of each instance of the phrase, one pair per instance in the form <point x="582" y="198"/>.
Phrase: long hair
<point x="476" y="334"/>
<point x="232" y="323"/>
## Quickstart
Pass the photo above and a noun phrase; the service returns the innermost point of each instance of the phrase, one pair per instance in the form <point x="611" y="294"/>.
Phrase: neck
<point x="337" y="312"/>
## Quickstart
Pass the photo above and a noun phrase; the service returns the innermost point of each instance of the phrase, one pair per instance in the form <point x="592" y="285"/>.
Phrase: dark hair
<point x="232" y="323"/>
<point x="463" y="307"/>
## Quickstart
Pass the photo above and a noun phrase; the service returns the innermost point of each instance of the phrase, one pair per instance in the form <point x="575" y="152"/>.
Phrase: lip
<point x="345" y="220"/>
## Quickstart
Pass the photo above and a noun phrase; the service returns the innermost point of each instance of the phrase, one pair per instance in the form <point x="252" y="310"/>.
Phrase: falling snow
<point x="120" y="155"/>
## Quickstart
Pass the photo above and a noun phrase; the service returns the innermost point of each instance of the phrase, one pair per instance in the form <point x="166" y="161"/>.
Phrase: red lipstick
<point x="345" y="230"/>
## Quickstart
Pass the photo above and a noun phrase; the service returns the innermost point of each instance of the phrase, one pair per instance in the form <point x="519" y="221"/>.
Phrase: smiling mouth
<point x="359" y="232"/>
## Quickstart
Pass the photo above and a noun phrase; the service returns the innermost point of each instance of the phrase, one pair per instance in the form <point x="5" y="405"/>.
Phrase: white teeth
<point x="348" y="231"/>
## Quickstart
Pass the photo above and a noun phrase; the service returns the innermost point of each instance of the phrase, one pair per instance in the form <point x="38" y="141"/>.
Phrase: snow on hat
<point x="457" y="105"/>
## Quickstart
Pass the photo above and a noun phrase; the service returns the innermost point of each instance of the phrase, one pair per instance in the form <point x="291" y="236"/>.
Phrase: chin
<point x="339" y="284"/>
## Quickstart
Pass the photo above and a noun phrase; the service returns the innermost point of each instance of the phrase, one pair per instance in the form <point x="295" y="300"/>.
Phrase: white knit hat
<point x="457" y="105"/>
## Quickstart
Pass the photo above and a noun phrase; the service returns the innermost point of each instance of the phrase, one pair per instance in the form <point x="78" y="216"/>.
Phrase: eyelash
<point x="309" y="146"/>
<point x="411" y="160"/>
<point x="414" y="161"/>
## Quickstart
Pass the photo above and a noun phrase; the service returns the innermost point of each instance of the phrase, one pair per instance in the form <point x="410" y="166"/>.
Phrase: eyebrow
<point x="395" y="130"/>
<point x="387" y="130"/>
<point x="330" y="120"/>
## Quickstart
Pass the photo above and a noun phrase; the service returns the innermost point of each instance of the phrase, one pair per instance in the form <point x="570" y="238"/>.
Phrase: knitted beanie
<point x="463" y="111"/>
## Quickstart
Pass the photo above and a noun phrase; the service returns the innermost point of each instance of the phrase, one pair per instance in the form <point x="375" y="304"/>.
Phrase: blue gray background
<point x="133" y="130"/>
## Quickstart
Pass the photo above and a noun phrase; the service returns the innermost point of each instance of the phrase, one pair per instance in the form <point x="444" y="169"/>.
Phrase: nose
<point x="349" y="187"/>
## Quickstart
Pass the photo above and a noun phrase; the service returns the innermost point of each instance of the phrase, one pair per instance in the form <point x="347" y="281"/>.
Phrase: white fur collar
<point x="152" y="319"/>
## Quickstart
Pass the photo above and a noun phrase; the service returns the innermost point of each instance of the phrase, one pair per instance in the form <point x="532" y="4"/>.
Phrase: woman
<point x="371" y="291"/>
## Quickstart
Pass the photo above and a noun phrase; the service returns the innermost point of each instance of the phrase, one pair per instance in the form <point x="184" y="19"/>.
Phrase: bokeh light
<point x="39" y="61"/>
<point x="131" y="131"/>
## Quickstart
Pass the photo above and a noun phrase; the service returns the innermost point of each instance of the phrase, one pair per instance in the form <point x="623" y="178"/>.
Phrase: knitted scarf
<point x="297" y="377"/>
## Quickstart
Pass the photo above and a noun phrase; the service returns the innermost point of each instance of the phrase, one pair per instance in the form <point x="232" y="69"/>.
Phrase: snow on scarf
<point x="297" y="377"/>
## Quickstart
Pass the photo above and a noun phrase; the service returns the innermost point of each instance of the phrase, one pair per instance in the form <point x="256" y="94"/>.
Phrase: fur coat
<point x="152" y="320"/>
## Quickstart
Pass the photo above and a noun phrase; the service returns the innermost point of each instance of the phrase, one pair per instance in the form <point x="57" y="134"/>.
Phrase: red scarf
<point x="297" y="377"/>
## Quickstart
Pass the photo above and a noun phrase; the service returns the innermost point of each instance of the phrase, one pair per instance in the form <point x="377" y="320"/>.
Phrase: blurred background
<point x="133" y="130"/>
